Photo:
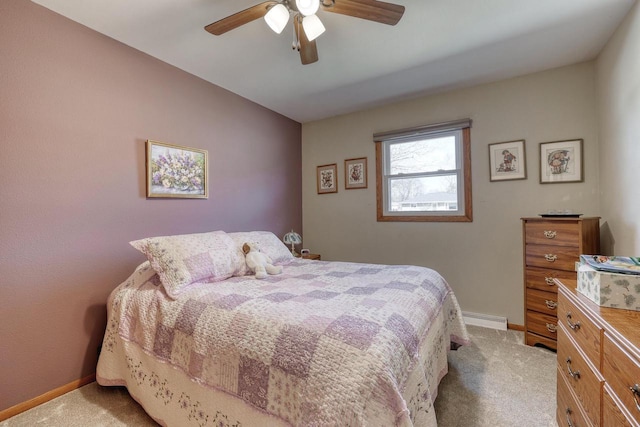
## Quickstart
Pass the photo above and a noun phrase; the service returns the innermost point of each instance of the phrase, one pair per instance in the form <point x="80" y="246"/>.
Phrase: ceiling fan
<point x="307" y="26"/>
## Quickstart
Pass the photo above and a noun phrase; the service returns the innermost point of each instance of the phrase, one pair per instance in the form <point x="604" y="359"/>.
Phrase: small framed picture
<point x="561" y="161"/>
<point x="355" y="173"/>
<point x="176" y="171"/>
<point x="327" y="179"/>
<point x="507" y="161"/>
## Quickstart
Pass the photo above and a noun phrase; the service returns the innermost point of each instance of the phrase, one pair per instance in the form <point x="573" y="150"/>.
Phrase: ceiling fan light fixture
<point x="307" y="7"/>
<point x="277" y="14"/>
<point x="277" y="18"/>
<point x="313" y="27"/>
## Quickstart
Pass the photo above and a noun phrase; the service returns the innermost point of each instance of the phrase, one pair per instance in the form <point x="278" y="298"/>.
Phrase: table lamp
<point x="292" y="238"/>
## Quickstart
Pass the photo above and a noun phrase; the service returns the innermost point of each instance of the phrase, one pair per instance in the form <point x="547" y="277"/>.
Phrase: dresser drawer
<point x="569" y="413"/>
<point x="542" y="324"/>
<point x="542" y="278"/>
<point x="580" y="326"/>
<point x="554" y="257"/>
<point x="611" y="413"/>
<point x="550" y="232"/>
<point x="543" y="302"/>
<point x="534" y="339"/>
<point x="580" y="377"/>
<point x="622" y="371"/>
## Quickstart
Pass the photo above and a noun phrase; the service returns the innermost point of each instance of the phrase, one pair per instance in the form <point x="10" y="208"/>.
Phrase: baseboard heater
<point x="485" y="320"/>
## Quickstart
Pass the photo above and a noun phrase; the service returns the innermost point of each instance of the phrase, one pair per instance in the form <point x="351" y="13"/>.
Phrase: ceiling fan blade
<point x="240" y="18"/>
<point x="372" y="10"/>
<point x="308" y="49"/>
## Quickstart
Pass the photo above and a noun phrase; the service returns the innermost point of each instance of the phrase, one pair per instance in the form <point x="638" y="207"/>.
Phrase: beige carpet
<point x="498" y="381"/>
<point x="495" y="382"/>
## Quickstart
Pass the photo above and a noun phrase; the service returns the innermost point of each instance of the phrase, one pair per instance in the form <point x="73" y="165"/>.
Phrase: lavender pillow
<point x="188" y="258"/>
<point x="268" y="243"/>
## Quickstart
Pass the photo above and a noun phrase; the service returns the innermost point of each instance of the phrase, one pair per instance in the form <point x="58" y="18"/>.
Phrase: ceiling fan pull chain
<point x="296" y="32"/>
<point x="295" y="43"/>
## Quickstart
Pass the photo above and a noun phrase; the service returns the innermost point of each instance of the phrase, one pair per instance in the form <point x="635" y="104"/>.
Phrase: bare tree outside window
<point x="408" y="164"/>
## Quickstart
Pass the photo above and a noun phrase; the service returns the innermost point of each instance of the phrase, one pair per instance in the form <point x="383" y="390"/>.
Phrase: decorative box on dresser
<point x="551" y="247"/>
<point x="598" y="362"/>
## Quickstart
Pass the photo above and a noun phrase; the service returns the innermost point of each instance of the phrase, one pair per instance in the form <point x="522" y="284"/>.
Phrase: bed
<point x="199" y="341"/>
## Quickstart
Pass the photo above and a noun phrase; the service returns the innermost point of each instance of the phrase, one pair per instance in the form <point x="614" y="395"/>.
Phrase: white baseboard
<point x="485" y="320"/>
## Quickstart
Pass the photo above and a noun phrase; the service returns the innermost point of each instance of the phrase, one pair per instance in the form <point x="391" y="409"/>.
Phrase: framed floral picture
<point x="561" y="161"/>
<point x="355" y="173"/>
<point x="327" y="178"/>
<point x="175" y="171"/>
<point x="507" y="161"/>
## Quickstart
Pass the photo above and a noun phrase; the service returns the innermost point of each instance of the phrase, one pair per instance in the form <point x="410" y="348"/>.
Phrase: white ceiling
<point x="437" y="45"/>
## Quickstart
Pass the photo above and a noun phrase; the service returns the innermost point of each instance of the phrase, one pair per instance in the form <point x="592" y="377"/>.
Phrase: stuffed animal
<point x="259" y="262"/>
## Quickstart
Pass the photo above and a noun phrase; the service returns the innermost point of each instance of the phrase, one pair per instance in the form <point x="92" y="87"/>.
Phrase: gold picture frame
<point x="174" y="171"/>
<point x="355" y="173"/>
<point x="327" y="178"/>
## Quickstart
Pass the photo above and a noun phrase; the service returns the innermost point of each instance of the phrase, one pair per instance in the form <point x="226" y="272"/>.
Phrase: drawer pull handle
<point x="551" y="327"/>
<point x="574" y="326"/>
<point x="549" y="281"/>
<point x="550" y="257"/>
<point x="550" y="234"/>
<point x="574" y="374"/>
<point x="636" y="393"/>
<point x="569" y="423"/>
<point x="551" y="304"/>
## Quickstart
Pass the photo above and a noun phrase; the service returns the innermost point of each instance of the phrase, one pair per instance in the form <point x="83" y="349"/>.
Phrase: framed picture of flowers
<point x="355" y="173"/>
<point x="327" y="178"/>
<point x="175" y="171"/>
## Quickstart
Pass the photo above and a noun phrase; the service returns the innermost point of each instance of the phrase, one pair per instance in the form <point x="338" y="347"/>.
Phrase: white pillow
<point x="268" y="243"/>
<point x="184" y="259"/>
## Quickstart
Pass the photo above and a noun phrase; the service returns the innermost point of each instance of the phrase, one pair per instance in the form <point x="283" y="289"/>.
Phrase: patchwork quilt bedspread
<point x="322" y="344"/>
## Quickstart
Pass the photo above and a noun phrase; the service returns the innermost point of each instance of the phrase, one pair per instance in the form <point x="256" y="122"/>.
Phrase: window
<point x="424" y="174"/>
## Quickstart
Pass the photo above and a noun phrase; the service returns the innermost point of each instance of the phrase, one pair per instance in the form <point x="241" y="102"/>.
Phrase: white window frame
<point x="461" y="131"/>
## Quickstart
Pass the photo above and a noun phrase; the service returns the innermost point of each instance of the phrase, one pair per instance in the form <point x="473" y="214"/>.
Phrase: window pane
<point x="423" y="176"/>
<point x="424" y="194"/>
<point x="428" y="155"/>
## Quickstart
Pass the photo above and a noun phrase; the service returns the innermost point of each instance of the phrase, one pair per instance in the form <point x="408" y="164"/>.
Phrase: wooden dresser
<point x="598" y="362"/>
<point x="551" y="248"/>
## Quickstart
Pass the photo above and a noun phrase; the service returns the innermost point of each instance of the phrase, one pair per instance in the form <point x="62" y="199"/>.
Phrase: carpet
<point x="498" y="381"/>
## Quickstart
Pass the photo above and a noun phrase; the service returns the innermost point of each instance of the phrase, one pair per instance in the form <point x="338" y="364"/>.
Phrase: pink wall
<point x="75" y="110"/>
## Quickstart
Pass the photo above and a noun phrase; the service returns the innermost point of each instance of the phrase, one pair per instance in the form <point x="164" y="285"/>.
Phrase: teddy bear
<point x="259" y="262"/>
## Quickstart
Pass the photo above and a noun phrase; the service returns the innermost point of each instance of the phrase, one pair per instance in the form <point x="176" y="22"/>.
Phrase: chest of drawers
<point x="551" y="247"/>
<point x="598" y="362"/>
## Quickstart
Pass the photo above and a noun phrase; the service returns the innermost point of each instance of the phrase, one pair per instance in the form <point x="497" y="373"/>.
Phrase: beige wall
<point x="618" y="83"/>
<point x="482" y="260"/>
